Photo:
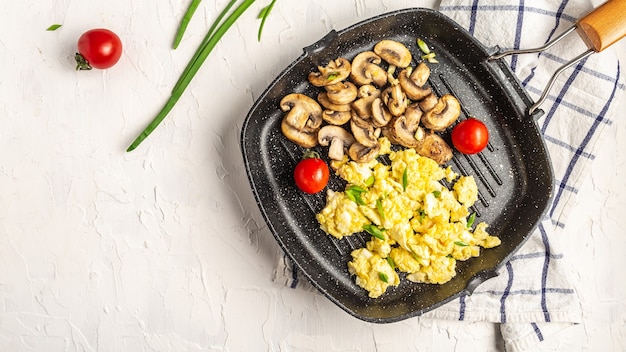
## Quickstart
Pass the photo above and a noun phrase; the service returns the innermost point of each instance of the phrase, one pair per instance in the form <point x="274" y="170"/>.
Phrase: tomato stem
<point x="310" y="154"/>
<point x="81" y="63"/>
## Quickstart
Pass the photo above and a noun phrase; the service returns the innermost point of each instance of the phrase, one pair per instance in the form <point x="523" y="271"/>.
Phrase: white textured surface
<point x="163" y="248"/>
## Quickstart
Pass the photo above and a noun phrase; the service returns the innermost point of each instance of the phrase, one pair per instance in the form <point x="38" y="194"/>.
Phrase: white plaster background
<point x="163" y="249"/>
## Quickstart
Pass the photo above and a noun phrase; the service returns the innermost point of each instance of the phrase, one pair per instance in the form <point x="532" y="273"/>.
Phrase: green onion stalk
<point x="213" y="36"/>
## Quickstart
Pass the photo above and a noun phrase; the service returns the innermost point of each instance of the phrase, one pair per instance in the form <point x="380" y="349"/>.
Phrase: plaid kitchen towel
<point x="532" y="297"/>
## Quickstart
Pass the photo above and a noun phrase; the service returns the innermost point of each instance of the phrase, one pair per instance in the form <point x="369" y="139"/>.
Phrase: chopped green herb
<point x="423" y="46"/>
<point x="370" y="181"/>
<point x="379" y="207"/>
<point x="430" y="58"/>
<point x="332" y="76"/>
<point x="405" y="179"/>
<point x="437" y="194"/>
<point x="265" y="12"/>
<point x="53" y="27"/>
<point x="461" y="243"/>
<point x="354" y="194"/>
<point x="470" y="220"/>
<point x="356" y="188"/>
<point x="185" y="21"/>
<point x="415" y="256"/>
<point x="383" y="277"/>
<point x="375" y="231"/>
<point x="422" y="215"/>
<point x="392" y="264"/>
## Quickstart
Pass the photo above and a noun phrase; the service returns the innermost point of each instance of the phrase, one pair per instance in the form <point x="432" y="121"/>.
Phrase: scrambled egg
<point x="419" y="227"/>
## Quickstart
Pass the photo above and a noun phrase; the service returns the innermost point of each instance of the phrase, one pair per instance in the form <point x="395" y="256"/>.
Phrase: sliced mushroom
<point x="335" y="71"/>
<point x="366" y="69"/>
<point x="337" y="118"/>
<point x="395" y="99"/>
<point x="413" y="115"/>
<point x="338" y="138"/>
<point x="380" y="114"/>
<point x="341" y="93"/>
<point x="303" y="119"/>
<point x="403" y="129"/>
<point x="367" y="94"/>
<point x="413" y="81"/>
<point x="393" y="52"/>
<point x="326" y="103"/>
<point x="434" y="147"/>
<point x="443" y="115"/>
<point x="362" y="154"/>
<point x="429" y="102"/>
<point x="363" y="131"/>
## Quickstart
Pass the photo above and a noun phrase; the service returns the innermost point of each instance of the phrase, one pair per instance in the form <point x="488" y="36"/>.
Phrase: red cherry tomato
<point x="98" y="48"/>
<point x="470" y="136"/>
<point x="311" y="173"/>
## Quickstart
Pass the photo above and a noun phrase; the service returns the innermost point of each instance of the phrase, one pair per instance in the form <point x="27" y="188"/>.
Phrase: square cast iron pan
<point x="514" y="173"/>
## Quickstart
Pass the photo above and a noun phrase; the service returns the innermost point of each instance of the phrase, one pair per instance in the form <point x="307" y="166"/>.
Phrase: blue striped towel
<point x="533" y="297"/>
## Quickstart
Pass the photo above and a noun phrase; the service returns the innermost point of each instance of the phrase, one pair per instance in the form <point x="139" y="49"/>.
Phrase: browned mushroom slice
<point x="335" y="71"/>
<point x="393" y="52"/>
<point x="434" y="147"/>
<point x="402" y="130"/>
<point x="326" y="103"/>
<point x="395" y="99"/>
<point x="429" y="102"/>
<point x="362" y="154"/>
<point x="341" y="93"/>
<point x="367" y="94"/>
<point x="337" y="138"/>
<point x="413" y="81"/>
<point x="366" y="69"/>
<point x="363" y="131"/>
<point x="337" y="118"/>
<point x="380" y="114"/>
<point x="443" y="115"/>
<point x="303" y="119"/>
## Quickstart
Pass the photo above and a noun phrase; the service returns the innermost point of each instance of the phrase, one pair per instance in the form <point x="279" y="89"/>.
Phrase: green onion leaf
<point x="461" y="243"/>
<point x="354" y="193"/>
<point x="423" y="46"/>
<point x="422" y="215"/>
<point x="379" y="207"/>
<point x="185" y="21"/>
<point x="383" y="277"/>
<point x="203" y="44"/>
<point x="470" y="220"/>
<point x="209" y="42"/>
<point x="405" y="179"/>
<point x="265" y="12"/>
<point x="53" y="27"/>
<point x="332" y="76"/>
<point x="437" y="194"/>
<point x="392" y="264"/>
<point x="357" y="189"/>
<point x="415" y="256"/>
<point x="370" y="181"/>
<point x="375" y="231"/>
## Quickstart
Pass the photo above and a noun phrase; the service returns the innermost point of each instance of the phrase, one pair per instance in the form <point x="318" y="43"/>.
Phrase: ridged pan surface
<point x="513" y="173"/>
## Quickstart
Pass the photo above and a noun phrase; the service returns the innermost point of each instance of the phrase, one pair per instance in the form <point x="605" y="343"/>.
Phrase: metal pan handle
<point x="601" y="28"/>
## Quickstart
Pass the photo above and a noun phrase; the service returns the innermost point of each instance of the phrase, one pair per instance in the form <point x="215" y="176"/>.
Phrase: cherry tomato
<point x="311" y="173"/>
<point x="98" y="48"/>
<point x="470" y="136"/>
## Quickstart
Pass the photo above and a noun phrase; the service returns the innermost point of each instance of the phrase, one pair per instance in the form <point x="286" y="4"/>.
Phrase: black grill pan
<point x="514" y="173"/>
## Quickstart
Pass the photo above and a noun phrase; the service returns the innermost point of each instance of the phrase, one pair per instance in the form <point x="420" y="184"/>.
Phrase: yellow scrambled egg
<point x="418" y="226"/>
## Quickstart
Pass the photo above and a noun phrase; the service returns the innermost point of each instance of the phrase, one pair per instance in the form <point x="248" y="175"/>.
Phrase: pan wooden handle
<point x="604" y="26"/>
